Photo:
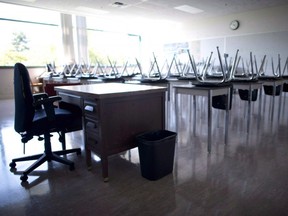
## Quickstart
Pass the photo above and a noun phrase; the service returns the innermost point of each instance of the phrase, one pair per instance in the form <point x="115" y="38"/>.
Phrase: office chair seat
<point x="40" y="122"/>
<point x="36" y="115"/>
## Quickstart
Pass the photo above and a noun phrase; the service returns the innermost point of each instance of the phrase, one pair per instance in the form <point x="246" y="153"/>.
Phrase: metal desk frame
<point x="250" y="86"/>
<point x="208" y="92"/>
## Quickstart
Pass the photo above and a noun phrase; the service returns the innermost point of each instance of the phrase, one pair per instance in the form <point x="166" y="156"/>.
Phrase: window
<point x="34" y="37"/>
<point x="29" y="37"/>
<point x="118" y="47"/>
<point x="112" y="39"/>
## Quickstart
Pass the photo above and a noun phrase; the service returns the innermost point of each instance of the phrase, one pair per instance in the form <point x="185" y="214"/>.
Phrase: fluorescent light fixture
<point x="188" y="9"/>
<point x="91" y="10"/>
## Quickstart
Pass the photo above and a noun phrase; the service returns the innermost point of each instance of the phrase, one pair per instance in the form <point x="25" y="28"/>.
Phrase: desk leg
<point x="88" y="159"/>
<point x="273" y="101"/>
<point x="280" y="102"/>
<point x="264" y="104"/>
<point x="104" y="162"/>
<point x="194" y="115"/>
<point x="260" y="108"/>
<point x="227" y="116"/>
<point x="176" y="111"/>
<point x="209" y="121"/>
<point x="249" y="108"/>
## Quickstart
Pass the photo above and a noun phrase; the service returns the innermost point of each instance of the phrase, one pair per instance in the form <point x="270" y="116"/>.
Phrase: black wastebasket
<point x="156" y="153"/>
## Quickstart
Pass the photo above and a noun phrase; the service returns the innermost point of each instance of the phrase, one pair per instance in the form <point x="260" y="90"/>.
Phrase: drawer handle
<point x="89" y="108"/>
<point x="91" y="125"/>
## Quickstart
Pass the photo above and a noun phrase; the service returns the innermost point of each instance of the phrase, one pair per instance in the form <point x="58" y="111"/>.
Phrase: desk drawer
<point x="91" y="126"/>
<point x="92" y="142"/>
<point x="90" y="108"/>
<point x="71" y="99"/>
<point x="92" y="136"/>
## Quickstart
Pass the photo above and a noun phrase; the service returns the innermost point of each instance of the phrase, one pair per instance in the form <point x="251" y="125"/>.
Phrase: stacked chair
<point x="209" y="75"/>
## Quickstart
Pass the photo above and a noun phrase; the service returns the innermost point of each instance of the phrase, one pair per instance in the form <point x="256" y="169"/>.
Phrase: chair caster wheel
<point x="71" y="167"/>
<point x="23" y="178"/>
<point x="12" y="164"/>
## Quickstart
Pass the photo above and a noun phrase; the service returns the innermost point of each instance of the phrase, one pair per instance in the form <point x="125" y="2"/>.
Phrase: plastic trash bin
<point x="156" y="152"/>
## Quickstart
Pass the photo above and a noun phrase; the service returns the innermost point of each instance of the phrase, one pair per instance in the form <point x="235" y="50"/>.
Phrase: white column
<point x="82" y="44"/>
<point x="67" y="38"/>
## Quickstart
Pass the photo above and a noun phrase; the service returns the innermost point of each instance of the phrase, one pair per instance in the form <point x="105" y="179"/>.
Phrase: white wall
<point x="261" y="32"/>
<point x="6" y="80"/>
<point x="253" y="22"/>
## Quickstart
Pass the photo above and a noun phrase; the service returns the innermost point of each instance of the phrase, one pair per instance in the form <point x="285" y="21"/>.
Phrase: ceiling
<point x="153" y="9"/>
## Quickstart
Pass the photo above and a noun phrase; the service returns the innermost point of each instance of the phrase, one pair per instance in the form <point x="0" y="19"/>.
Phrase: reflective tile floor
<point x="248" y="176"/>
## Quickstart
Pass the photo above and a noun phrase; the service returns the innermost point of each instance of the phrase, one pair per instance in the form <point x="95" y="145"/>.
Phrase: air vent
<point x="119" y="4"/>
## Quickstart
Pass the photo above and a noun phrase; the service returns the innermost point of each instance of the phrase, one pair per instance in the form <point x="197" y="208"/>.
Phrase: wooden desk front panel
<point x="114" y="114"/>
<point x="112" y="126"/>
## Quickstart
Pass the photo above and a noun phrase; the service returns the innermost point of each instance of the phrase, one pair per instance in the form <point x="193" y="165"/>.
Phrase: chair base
<point x="41" y="158"/>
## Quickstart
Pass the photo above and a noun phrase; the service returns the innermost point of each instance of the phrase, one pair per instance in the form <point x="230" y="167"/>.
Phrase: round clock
<point x="234" y="24"/>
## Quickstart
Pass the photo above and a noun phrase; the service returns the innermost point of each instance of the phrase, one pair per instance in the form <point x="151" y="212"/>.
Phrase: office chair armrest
<point x="48" y="106"/>
<point x="46" y="101"/>
<point x="40" y="96"/>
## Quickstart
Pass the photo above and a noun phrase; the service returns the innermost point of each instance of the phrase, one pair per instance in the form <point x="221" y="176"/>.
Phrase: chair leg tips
<point x="23" y="178"/>
<point x="12" y="165"/>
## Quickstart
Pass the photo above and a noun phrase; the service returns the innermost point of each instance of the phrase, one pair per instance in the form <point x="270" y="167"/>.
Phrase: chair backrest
<point x="24" y="110"/>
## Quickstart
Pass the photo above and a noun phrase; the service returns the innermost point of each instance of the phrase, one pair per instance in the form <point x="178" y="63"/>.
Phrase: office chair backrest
<point x="24" y="110"/>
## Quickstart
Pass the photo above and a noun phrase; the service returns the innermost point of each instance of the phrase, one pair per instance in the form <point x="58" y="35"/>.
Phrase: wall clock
<point x="234" y="24"/>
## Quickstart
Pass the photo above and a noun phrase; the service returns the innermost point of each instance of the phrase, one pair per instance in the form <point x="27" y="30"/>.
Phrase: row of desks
<point x="99" y="101"/>
<point x="211" y="91"/>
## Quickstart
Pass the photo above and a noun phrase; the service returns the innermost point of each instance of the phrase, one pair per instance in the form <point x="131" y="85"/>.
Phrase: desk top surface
<point x="201" y="90"/>
<point x="109" y="89"/>
<point x="199" y="87"/>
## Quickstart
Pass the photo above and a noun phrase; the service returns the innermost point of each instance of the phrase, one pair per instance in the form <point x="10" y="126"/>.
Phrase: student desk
<point x="50" y="83"/>
<point x="250" y="86"/>
<point x="208" y="92"/>
<point x="274" y="83"/>
<point x="113" y="114"/>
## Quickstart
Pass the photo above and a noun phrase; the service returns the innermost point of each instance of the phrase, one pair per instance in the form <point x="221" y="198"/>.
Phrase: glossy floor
<point x="249" y="176"/>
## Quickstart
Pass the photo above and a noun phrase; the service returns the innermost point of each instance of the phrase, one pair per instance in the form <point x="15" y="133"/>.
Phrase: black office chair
<point x="36" y="115"/>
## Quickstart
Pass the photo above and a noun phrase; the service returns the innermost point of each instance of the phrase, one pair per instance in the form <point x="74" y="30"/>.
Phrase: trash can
<point x="156" y="152"/>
